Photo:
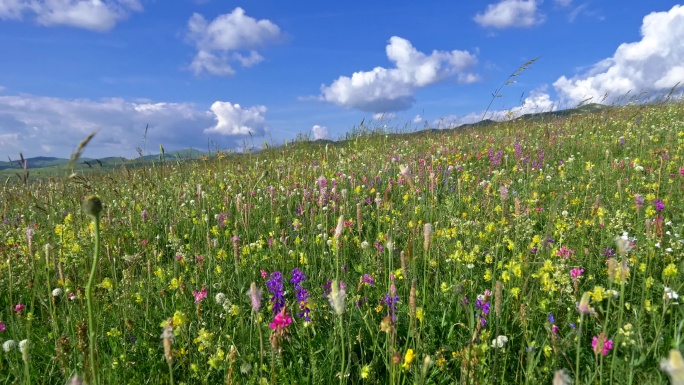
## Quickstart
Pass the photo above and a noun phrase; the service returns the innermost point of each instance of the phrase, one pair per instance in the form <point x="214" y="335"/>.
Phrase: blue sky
<point x="225" y="74"/>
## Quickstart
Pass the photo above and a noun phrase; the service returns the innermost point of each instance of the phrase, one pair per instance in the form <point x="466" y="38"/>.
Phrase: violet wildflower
<point x="607" y="252"/>
<point x="639" y="201"/>
<point x="302" y="294"/>
<point x="275" y="286"/>
<point x="2" y="327"/>
<point x="368" y="280"/>
<point x="19" y="307"/>
<point x="659" y="205"/>
<point x="483" y="306"/>
<point x="390" y="300"/>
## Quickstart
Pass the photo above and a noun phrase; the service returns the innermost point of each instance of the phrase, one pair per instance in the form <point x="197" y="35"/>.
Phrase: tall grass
<point x="455" y="257"/>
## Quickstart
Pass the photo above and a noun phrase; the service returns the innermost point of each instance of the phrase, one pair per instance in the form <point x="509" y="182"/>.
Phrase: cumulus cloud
<point x="418" y="119"/>
<point x="95" y="15"/>
<point x="319" y="132"/>
<point x="226" y="39"/>
<point x="391" y="89"/>
<point x="37" y="125"/>
<point x="653" y="65"/>
<point x="510" y="13"/>
<point x="232" y="119"/>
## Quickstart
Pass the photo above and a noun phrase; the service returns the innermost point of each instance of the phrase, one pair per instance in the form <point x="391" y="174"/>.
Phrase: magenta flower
<point x="2" y="327"/>
<point x="601" y="344"/>
<point x="576" y="273"/>
<point x="200" y="295"/>
<point x="19" y="307"/>
<point x="281" y="321"/>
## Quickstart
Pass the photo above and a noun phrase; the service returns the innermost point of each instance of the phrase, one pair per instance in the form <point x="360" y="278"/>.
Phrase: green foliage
<point x="525" y="203"/>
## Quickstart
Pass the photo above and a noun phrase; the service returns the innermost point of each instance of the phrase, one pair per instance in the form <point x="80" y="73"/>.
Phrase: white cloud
<point x="29" y="123"/>
<point x="232" y="119"/>
<point x="222" y="40"/>
<point x="12" y="9"/>
<point x="510" y="13"/>
<point x="384" y="116"/>
<point x="418" y="119"/>
<point x="385" y="90"/>
<point x="653" y="65"/>
<point x="319" y="132"/>
<point x="95" y="15"/>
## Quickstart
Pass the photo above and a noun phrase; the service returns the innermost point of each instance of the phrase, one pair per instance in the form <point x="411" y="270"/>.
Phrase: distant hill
<point x="41" y="162"/>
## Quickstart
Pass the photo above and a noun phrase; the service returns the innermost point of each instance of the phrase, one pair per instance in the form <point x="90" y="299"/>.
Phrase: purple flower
<point x="390" y="300"/>
<point x="275" y="286"/>
<point x="607" y="252"/>
<point x="483" y="306"/>
<point x="659" y="206"/>
<point x="19" y="307"/>
<point x="302" y="294"/>
<point x="368" y="280"/>
<point x="639" y="201"/>
<point x="551" y="318"/>
<point x="2" y="327"/>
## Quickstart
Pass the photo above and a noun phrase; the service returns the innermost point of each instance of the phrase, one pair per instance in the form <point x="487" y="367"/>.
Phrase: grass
<point x="457" y="256"/>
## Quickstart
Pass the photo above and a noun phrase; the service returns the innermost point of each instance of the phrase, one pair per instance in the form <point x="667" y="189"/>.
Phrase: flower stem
<point x="89" y="301"/>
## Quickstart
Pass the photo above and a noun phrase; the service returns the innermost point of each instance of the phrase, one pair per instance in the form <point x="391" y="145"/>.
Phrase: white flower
<point x="336" y="297"/>
<point x="365" y="244"/>
<point x="623" y="244"/>
<point x="499" y="341"/>
<point x="674" y="367"/>
<point x="8" y="345"/>
<point x="670" y="294"/>
<point x="23" y="346"/>
<point x="220" y="298"/>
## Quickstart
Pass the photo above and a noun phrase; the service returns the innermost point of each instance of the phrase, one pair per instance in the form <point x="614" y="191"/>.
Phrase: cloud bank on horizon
<point x="34" y="123"/>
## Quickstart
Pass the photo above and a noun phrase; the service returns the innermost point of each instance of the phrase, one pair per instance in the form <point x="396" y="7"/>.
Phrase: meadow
<point x="526" y="252"/>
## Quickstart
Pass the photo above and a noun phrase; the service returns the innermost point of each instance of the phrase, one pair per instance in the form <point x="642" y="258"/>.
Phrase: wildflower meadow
<point x="531" y="251"/>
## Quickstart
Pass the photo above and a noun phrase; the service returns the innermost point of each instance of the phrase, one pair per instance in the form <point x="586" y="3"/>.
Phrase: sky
<point x="232" y="75"/>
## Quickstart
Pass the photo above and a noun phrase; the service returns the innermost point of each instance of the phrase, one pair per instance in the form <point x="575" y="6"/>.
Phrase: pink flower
<point x="200" y="295"/>
<point x="143" y="242"/>
<point x="199" y="259"/>
<point x="2" y="327"/>
<point x="281" y="321"/>
<point x="601" y="344"/>
<point x="565" y="252"/>
<point x="264" y="274"/>
<point x="19" y="307"/>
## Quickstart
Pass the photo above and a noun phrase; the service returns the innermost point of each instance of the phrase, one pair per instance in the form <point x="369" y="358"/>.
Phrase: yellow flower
<point x="670" y="271"/>
<point x="179" y="318"/>
<point x="106" y="284"/>
<point x="408" y="359"/>
<point x="419" y="314"/>
<point x="365" y="371"/>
